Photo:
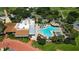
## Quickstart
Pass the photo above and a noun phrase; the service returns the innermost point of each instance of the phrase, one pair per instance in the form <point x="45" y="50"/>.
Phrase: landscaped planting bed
<point x="23" y="39"/>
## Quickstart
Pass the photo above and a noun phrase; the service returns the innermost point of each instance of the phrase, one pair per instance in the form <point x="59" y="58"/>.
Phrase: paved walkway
<point x="17" y="45"/>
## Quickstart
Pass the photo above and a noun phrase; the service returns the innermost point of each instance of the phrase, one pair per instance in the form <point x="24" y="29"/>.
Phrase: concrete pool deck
<point x="48" y="31"/>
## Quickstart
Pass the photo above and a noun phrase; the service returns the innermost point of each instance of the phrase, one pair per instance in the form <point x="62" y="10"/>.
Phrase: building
<point x="24" y="28"/>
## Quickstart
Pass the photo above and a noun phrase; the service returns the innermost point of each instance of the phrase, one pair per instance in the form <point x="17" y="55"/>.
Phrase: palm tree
<point x="6" y="11"/>
<point x="7" y="20"/>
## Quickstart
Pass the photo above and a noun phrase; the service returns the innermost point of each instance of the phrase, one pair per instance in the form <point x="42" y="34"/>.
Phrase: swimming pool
<point x="48" y="31"/>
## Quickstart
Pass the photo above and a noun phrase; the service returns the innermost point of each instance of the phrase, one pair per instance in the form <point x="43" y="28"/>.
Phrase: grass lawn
<point x="46" y="47"/>
<point x="54" y="47"/>
<point x="77" y="41"/>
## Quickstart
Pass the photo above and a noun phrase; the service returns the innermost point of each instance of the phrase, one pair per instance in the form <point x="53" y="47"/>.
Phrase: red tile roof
<point x="10" y="28"/>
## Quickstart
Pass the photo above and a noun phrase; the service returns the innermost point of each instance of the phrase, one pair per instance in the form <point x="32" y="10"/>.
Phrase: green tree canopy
<point x="43" y="11"/>
<point x="72" y="16"/>
<point x="70" y="19"/>
<point x="41" y="41"/>
<point x="47" y="12"/>
<point x="1" y="27"/>
<point x="22" y="12"/>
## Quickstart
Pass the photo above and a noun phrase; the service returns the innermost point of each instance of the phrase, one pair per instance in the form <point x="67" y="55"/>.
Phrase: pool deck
<point x="48" y="31"/>
<point x="37" y="30"/>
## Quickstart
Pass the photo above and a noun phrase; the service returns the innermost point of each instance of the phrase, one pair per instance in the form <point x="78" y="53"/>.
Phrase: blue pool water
<point x="47" y="31"/>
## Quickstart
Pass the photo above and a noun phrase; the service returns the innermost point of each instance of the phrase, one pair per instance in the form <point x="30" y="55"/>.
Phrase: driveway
<point x="17" y="45"/>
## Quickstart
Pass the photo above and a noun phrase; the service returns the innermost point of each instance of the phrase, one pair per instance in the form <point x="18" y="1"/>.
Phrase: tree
<point x="8" y="9"/>
<point x="43" y="11"/>
<point x="60" y="39"/>
<point x="47" y="12"/>
<point x="41" y="41"/>
<point x="1" y="31"/>
<point x="70" y="40"/>
<point x="72" y="16"/>
<point x="22" y="12"/>
<point x="1" y="27"/>
<point x="55" y="13"/>
<point x="70" y="19"/>
<point x="53" y="39"/>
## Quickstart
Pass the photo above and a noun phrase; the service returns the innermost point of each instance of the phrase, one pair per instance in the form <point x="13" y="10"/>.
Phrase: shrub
<point x="41" y="41"/>
<point x="23" y="39"/>
<point x="70" y="40"/>
<point x="1" y="37"/>
<point x="60" y="39"/>
<point x="53" y="39"/>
